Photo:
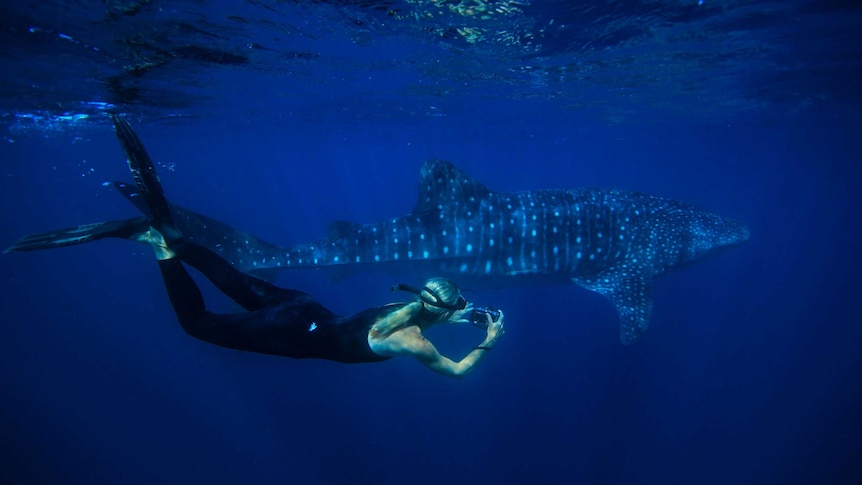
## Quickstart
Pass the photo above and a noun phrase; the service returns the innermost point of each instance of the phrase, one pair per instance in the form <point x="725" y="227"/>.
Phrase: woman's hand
<point x="461" y="316"/>
<point x="495" y="327"/>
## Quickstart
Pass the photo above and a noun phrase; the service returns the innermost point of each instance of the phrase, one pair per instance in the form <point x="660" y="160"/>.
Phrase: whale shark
<point x="613" y="242"/>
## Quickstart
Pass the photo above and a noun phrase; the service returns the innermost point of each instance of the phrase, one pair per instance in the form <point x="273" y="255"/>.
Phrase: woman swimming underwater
<point x="278" y="321"/>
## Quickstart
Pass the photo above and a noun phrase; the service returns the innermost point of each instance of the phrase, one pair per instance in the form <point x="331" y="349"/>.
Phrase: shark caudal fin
<point x="241" y="249"/>
<point x="70" y="236"/>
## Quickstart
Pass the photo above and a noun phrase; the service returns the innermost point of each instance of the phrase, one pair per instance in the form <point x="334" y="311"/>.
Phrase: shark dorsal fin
<point x="342" y="229"/>
<point x="442" y="184"/>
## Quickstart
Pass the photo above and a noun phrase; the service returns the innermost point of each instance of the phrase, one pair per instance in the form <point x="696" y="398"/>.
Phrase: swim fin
<point x="144" y="173"/>
<point x="132" y="195"/>
<point x="149" y="197"/>
<point x="124" y="229"/>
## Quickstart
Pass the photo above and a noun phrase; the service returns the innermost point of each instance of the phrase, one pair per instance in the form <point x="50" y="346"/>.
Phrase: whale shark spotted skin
<point x="613" y="242"/>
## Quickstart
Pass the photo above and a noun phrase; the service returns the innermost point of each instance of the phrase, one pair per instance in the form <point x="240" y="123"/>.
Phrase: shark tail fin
<point x="124" y="229"/>
<point x="223" y="239"/>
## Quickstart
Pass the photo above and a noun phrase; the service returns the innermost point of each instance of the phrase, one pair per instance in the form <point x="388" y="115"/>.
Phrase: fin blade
<point x="70" y="236"/>
<point x="132" y="195"/>
<point x="144" y="173"/>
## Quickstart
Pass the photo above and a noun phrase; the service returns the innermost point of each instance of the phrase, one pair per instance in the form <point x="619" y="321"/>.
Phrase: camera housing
<point x="478" y="316"/>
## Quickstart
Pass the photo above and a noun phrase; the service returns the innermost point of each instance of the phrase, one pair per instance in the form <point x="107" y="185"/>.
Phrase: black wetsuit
<point x="280" y="321"/>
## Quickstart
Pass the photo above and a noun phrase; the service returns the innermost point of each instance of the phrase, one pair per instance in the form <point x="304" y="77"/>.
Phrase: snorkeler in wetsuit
<point x="279" y="321"/>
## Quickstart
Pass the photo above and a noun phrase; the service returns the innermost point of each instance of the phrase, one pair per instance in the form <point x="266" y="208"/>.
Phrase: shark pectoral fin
<point x="630" y="290"/>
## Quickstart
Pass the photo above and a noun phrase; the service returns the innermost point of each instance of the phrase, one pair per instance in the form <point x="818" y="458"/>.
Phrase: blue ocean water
<point x="281" y="117"/>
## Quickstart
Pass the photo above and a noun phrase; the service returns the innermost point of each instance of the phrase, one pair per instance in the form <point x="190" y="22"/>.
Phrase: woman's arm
<point x="425" y="352"/>
<point x="383" y="328"/>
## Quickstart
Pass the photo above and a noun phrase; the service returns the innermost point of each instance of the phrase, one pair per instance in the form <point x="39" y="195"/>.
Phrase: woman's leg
<point x="248" y="291"/>
<point x="183" y="292"/>
<point x="280" y="322"/>
<point x="243" y="331"/>
<point x="286" y="328"/>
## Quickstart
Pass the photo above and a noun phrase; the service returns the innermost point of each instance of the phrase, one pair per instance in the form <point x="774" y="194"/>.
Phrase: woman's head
<point x="440" y="295"/>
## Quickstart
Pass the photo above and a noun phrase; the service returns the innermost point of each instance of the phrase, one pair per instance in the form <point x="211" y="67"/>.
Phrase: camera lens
<point x="478" y="318"/>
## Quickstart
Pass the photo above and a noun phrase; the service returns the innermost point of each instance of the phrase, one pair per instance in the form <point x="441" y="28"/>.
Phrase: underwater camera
<point x="478" y="316"/>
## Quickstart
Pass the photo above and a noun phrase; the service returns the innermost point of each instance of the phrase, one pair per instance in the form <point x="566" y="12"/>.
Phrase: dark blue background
<point x="749" y="374"/>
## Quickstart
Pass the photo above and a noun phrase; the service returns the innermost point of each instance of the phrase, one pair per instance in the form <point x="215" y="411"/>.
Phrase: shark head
<point x="709" y="232"/>
<point x="690" y="234"/>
